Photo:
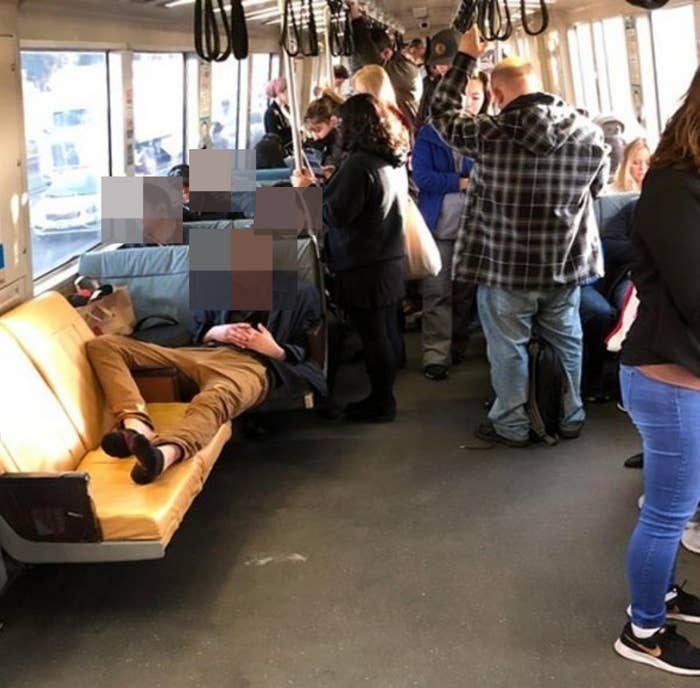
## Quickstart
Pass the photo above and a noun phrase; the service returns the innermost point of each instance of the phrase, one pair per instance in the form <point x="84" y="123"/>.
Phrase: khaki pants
<point x="229" y="383"/>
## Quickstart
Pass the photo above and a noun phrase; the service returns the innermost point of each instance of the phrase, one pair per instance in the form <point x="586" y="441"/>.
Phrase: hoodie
<point x="529" y="222"/>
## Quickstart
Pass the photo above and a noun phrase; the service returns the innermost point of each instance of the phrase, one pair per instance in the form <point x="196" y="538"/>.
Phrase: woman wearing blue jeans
<point x="660" y="380"/>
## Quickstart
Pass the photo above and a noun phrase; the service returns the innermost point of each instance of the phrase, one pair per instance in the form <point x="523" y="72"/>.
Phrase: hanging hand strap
<point x="290" y="38"/>
<point x="466" y="15"/>
<point x="545" y="19"/>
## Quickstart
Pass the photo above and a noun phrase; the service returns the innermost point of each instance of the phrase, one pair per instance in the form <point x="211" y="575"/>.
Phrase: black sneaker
<point x="664" y="650"/>
<point x="487" y="432"/>
<point x="371" y="411"/>
<point x="636" y="461"/>
<point x="684" y="606"/>
<point x="435" y="371"/>
<point x="570" y="431"/>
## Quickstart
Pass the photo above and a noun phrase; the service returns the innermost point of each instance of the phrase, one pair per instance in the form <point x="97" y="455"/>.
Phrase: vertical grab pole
<point x="293" y="97"/>
<point x="294" y="110"/>
<point x="329" y="56"/>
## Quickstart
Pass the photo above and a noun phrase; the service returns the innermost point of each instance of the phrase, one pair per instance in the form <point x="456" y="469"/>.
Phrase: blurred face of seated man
<point x="162" y="221"/>
<point x="511" y="79"/>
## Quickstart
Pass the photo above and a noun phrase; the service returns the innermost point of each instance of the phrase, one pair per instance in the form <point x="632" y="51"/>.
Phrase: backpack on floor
<point x="546" y="390"/>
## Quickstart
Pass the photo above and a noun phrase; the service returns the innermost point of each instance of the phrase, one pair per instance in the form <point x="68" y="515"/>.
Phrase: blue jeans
<point x="668" y="419"/>
<point x="598" y="317"/>
<point x="509" y="319"/>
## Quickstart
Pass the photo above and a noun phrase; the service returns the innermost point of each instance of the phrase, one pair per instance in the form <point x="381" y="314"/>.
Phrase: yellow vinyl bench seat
<point x="53" y="417"/>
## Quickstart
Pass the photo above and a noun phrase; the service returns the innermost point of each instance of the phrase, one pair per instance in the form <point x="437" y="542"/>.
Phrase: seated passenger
<point x="243" y="355"/>
<point x="442" y="177"/>
<point x="633" y="167"/>
<point x="269" y="153"/>
<point x="602" y="300"/>
<point x="189" y="215"/>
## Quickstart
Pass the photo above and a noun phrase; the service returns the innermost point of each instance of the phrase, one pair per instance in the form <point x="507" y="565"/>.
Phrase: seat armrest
<point x="49" y="507"/>
<point x="158" y="384"/>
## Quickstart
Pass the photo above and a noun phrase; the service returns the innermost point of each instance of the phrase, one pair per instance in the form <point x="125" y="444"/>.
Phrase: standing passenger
<point x="363" y="211"/>
<point x="276" y="116"/>
<point x="443" y="48"/>
<point x="529" y="237"/>
<point x="373" y="46"/>
<point x="442" y="177"/>
<point x="660" y="380"/>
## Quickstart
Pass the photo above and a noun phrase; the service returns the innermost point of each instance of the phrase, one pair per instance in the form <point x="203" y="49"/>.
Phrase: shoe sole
<point x="504" y="441"/>
<point x="643" y="658"/>
<point x="684" y="617"/>
<point x="694" y="550"/>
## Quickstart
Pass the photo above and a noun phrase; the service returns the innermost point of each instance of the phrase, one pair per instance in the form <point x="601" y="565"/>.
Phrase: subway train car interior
<point x="349" y="343"/>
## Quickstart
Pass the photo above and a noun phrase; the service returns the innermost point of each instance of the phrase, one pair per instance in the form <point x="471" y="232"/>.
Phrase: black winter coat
<point x="363" y="212"/>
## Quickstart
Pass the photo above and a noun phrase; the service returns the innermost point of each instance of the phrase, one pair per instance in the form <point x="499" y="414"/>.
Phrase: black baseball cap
<point x="443" y="47"/>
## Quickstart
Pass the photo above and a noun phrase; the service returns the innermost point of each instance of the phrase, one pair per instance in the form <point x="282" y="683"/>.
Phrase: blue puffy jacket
<point x="434" y="172"/>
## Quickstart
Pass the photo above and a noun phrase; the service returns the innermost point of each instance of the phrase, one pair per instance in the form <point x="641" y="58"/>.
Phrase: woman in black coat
<point x="276" y="119"/>
<point x="363" y="213"/>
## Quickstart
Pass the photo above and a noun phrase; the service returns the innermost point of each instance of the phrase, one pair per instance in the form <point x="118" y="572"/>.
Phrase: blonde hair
<point x="374" y="80"/>
<point x="623" y="177"/>
<point x="514" y="72"/>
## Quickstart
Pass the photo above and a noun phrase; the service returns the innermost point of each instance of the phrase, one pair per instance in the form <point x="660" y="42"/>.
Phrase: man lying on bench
<point x="243" y="355"/>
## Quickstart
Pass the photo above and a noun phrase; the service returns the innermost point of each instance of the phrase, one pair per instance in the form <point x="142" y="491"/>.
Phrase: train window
<point x="675" y="54"/>
<point x="601" y="67"/>
<point x="618" y="69"/>
<point x="159" y="102"/>
<point x="649" y="114"/>
<point x="275" y="68"/>
<point x="586" y="59"/>
<point x="192" y="87"/>
<point x="67" y="141"/>
<point x="575" y="62"/>
<point x="224" y="102"/>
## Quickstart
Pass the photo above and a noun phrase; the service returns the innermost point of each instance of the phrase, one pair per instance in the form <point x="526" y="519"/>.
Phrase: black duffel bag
<point x="163" y="330"/>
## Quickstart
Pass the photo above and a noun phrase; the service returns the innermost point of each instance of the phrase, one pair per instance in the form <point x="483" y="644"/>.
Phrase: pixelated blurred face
<point x="319" y="130"/>
<point x="162" y="224"/>
<point x="639" y="165"/>
<point x="441" y="69"/>
<point x="474" y="96"/>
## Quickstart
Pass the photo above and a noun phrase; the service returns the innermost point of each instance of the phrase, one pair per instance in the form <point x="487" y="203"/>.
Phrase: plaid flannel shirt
<point x="528" y="220"/>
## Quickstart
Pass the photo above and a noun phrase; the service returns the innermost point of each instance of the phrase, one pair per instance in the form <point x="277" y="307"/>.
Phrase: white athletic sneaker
<point x="691" y="537"/>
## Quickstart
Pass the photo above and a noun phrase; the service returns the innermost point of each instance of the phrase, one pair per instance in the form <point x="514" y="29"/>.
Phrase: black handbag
<point x="163" y="330"/>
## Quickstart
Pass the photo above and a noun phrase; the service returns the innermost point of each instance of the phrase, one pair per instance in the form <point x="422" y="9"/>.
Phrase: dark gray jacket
<point x="290" y="328"/>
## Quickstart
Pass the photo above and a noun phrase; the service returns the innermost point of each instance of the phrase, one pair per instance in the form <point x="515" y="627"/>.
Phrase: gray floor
<point x="342" y="556"/>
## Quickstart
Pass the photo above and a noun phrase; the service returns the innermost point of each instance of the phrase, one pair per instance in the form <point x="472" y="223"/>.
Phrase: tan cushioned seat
<point x="149" y="512"/>
<point x="53" y="335"/>
<point x="51" y="413"/>
<point x="35" y="432"/>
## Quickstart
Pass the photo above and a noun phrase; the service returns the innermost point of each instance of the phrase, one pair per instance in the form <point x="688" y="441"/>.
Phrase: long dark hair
<point x="368" y="124"/>
<point x="680" y="142"/>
